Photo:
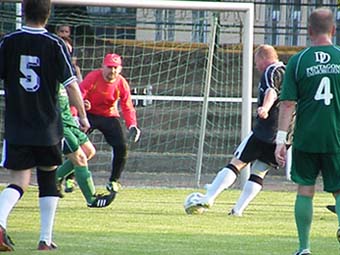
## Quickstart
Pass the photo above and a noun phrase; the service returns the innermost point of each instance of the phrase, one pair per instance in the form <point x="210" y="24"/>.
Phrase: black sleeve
<point x="66" y="71"/>
<point x="277" y="78"/>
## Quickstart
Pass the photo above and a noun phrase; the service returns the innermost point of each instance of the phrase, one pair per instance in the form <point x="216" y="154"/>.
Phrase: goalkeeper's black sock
<point x="118" y="162"/>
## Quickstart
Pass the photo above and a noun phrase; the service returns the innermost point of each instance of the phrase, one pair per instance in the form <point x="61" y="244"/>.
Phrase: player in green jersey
<point x="312" y="87"/>
<point x="78" y="150"/>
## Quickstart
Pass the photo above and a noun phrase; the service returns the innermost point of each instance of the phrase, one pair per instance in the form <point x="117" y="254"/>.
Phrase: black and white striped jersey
<point x="272" y="77"/>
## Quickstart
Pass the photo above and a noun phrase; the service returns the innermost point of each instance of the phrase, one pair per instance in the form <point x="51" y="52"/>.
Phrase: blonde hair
<point x="266" y="51"/>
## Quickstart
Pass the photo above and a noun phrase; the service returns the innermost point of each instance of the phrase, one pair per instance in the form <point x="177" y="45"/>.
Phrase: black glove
<point x="134" y="134"/>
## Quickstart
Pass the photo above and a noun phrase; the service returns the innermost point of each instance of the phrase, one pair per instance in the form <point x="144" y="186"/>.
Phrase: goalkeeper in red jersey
<point x="102" y="89"/>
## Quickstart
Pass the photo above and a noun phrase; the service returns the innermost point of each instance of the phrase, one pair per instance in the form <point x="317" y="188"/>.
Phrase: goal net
<point x="189" y="65"/>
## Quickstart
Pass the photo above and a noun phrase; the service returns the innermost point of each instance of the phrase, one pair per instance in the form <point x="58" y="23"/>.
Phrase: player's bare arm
<point x="287" y="108"/>
<point x="268" y="102"/>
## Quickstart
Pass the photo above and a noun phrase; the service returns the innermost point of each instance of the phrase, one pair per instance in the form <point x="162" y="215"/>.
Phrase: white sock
<point x="223" y="180"/>
<point x="48" y="207"/>
<point x="8" y="199"/>
<point x="249" y="192"/>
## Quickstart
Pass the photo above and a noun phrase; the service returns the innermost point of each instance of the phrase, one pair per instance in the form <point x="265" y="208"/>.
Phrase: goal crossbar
<point x="184" y="5"/>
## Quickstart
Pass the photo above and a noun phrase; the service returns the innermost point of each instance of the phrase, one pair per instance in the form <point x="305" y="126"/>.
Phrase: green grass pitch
<point x="152" y="222"/>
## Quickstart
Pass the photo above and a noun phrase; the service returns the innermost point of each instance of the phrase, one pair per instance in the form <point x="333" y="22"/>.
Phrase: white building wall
<point x="179" y="26"/>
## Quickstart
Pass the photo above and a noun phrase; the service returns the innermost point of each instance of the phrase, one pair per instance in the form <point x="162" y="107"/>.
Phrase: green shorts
<point x="73" y="138"/>
<point x="307" y="166"/>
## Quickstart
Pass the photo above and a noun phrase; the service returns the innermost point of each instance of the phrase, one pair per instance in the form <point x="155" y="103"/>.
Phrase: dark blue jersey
<point x="32" y="64"/>
<point x="265" y="129"/>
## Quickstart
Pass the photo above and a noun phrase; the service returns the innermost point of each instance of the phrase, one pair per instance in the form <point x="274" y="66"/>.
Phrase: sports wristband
<point x="281" y="137"/>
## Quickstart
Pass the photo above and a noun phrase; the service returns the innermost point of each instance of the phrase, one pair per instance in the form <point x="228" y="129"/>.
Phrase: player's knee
<point x="23" y="182"/>
<point x="47" y="183"/>
<point x="89" y="150"/>
<point x="91" y="153"/>
<point x="259" y="169"/>
<point x="82" y="159"/>
<point x="78" y="158"/>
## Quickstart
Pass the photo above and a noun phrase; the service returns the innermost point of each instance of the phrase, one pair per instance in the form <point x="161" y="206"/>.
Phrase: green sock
<point x="85" y="182"/>
<point x="337" y="207"/>
<point x="65" y="169"/>
<point x="303" y="219"/>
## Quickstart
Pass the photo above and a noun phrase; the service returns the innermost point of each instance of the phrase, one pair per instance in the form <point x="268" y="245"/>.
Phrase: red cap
<point x="112" y="59"/>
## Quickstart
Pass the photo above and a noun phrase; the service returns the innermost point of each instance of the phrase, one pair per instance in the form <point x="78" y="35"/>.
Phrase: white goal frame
<point x="247" y="57"/>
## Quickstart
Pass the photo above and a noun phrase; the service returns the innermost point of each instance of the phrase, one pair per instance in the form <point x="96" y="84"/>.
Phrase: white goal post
<point x="205" y="99"/>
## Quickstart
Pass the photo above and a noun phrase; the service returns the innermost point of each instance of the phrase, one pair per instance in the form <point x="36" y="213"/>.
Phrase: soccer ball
<point x="190" y="203"/>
